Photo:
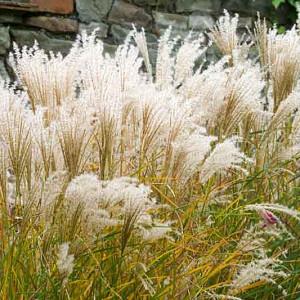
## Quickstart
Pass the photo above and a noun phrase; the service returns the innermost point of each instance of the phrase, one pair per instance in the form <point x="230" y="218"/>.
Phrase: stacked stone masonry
<point x="54" y="24"/>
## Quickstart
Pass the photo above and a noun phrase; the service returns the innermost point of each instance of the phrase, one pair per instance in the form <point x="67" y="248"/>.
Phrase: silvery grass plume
<point x="224" y="34"/>
<point x="49" y="80"/>
<point x="65" y="261"/>
<point x="259" y="269"/>
<point x="225" y="157"/>
<point x="279" y="57"/>
<point x="118" y="202"/>
<point x="255" y="242"/>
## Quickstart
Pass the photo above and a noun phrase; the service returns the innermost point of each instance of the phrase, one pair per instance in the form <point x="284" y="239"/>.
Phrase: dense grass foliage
<point x="118" y="181"/>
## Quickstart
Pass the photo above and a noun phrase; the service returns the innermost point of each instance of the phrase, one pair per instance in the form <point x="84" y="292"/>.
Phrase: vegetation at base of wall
<point x="276" y="3"/>
<point x="290" y="11"/>
<point x="121" y="180"/>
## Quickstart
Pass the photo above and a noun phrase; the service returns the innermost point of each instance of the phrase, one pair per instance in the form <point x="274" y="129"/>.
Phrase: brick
<point x="55" y="6"/>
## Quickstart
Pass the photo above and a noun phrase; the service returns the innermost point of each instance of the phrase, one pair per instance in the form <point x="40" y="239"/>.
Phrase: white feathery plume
<point x="65" y="261"/>
<point x="49" y="79"/>
<point x="53" y="188"/>
<point x="224" y="35"/>
<point x="283" y="63"/>
<point x="259" y="269"/>
<point x="285" y="109"/>
<point x="189" y="152"/>
<point x="141" y="42"/>
<point x="107" y="203"/>
<point x="186" y="57"/>
<point x="275" y="207"/>
<point x="165" y="61"/>
<point x="225" y="156"/>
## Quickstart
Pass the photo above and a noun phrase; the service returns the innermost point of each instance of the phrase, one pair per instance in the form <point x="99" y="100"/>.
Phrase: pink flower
<point x="268" y="217"/>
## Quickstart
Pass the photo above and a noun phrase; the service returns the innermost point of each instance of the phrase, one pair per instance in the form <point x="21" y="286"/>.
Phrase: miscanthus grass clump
<point x="121" y="180"/>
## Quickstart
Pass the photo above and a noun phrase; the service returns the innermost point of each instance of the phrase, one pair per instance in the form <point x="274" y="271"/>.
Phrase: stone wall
<point x="55" y="23"/>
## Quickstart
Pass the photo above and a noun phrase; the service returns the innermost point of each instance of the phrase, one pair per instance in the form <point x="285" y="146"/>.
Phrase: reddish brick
<point x="55" y="6"/>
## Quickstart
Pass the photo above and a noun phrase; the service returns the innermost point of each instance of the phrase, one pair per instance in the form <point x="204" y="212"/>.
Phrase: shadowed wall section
<point x="55" y="23"/>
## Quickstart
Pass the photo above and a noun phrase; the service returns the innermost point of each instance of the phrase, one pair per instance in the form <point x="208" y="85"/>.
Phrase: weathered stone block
<point x="210" y="6"/>
<point x="110" y="49"/>
<point x="127" y="14"/>
<point x="213" y="54"/>
<point x="3" y="72"/>
<point x="54" y="24"/>
<point x="145" y="2"/>
<point x="178" y="34"/>
<point x="151" y="39"/>
<point x="200" y="22"/>
<point x="27" y="37"/>
<point x="102" y="28"/>
<point x="93" y="10"/>
<point x="174" y="20"/>
<point x="4" y="40"/>
<point x="245" y="22"/>
<point x="8" y="17"/>
<point x="119" y="33"/>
